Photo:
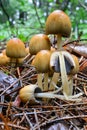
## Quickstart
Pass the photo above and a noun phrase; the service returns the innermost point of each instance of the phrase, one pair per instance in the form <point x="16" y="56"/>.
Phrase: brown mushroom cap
<point x="4" y="59"/>
<point x="69" y="62"/>
<point x="58" y="23"/>
<point x="42" y="61"/>
<point x="27" y="93"/>
<point x="15" y="48"/>
<point x="76" y="67"/>
<point x="39" y="42"/>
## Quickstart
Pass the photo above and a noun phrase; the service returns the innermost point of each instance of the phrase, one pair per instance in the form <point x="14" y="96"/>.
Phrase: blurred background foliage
<point x="24" y="18"/>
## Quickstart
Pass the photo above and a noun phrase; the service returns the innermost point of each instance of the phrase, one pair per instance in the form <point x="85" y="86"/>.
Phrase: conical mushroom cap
<point x="42" y="61"/>
<point x="15" y="48"/>
<point x="58" y="23"/>
<point x="39" y="42"/>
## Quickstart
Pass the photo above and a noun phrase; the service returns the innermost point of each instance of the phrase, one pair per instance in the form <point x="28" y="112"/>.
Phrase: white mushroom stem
<point x="45" y="87"/>
<point x="65" y="84"/>
<point x="34" y="93"/>
<point x="52" y="96"/>
<point x="59" y="39"/>
<point x="54" y="80"/>
<point x="71" y="84"/>
<point x="39" y="81"/>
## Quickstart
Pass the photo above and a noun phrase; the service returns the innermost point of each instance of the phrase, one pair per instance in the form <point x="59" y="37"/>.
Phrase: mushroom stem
<point x="71" y="84"/>
<point x="52" y="96"/>
<point x="45" y="82"/>
<point x="59" y="39"/>
<point x="39" y="81"/>
<point x="65" y="84"/>
<point x="54" y="80"/>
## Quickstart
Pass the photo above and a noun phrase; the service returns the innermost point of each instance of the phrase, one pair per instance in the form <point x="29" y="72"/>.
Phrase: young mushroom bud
<point x="58" y="23"/>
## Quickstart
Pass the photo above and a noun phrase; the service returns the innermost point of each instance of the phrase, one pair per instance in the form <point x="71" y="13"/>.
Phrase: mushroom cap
<point x="76" y="67"/>
<point x="15" y="48"/>
<point x="58" y="23"/>
<point x="39" y="42"/>
<point x="4" y="59"/>
<point x="27" y="93"/>
<point x="69" y="62"/>
<point x="42" y="61"/>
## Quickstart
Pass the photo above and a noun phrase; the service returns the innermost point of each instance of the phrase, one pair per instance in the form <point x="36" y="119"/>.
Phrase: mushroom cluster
<point x="62" y="64"/>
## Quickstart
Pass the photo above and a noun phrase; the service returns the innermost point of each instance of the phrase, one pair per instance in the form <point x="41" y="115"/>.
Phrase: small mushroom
<point x="27" y="93"/>
<point x="64" y="63"/>
<point x="41" y="63"/>
<point x="33" y="93"/>
<point x="58" y="23"/>
<point x="39" y="42"/>
<point x="4" y="60"/>
<point x="15" y="49"/>
<point x="19" y="60"/>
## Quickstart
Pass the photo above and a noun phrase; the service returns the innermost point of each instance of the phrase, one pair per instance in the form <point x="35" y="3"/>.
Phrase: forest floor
<point x="52" y="114"/>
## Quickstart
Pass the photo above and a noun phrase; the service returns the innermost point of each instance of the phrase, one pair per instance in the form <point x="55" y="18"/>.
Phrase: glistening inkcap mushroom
<point x="15" y="49"/>
<point x="39" y="42"/>
<point x="58" y="23"/>
<point x="27" y="93"/>
<point x="42" y="64"/>
<point x="32" y="93"/>
<point x="64" y="63"/>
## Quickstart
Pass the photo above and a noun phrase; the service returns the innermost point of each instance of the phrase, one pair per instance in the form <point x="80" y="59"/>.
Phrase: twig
<point x="36" y="118"/>
<point x="63" y="118"/>
<point x="37" y="14"/>
<point x="29" y="122"/>
<point x="15" y="126"/>
<point x="81" y="3"/>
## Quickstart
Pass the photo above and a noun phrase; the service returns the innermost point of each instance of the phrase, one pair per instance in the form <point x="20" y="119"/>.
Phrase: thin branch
<point x="37" y="13"/>
<point x="2" y="6"/>
<point x="85" y="7"/>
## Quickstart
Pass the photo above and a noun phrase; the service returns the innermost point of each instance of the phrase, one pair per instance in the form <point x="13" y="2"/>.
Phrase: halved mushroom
<point x="64" y="63"/>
